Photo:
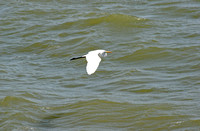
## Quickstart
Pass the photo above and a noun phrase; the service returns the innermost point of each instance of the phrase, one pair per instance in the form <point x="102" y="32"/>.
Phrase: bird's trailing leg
<point x="75" y="58"/>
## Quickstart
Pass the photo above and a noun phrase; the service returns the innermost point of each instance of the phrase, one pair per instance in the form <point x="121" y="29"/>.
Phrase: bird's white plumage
<point x="93" y="59"/>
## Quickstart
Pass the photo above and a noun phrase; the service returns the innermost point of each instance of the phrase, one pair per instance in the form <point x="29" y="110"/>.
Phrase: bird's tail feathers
<point x="75" y="58"/>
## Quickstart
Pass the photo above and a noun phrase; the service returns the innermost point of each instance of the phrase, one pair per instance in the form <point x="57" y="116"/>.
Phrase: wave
<point x="116" y="19"/>
<point x="162" y="53"/>
<point x="14" y="101"/>
<point x="98" y="113"/>
<point x="110" y="19"/>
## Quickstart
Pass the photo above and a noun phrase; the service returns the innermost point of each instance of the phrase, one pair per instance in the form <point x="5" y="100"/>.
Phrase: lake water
<point x="151" y="81"/>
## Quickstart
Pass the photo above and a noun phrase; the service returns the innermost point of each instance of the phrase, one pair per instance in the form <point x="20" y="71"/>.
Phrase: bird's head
<point x="103" y="53"/>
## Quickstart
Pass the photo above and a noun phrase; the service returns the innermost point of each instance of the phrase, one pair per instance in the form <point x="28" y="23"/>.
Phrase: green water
<point x="151" y="81"/>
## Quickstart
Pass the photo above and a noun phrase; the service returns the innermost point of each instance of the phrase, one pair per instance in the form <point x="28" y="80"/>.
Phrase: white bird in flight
<point x="93" y="59"/>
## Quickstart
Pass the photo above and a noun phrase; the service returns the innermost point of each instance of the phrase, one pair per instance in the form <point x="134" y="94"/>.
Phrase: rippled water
<point x="150" y="82"/>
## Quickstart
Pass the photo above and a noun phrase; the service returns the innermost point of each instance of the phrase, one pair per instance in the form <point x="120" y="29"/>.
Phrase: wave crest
<point x="115" y="19"/>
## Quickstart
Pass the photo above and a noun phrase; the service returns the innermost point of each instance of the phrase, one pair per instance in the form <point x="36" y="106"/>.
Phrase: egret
<point x="93" y="59"/>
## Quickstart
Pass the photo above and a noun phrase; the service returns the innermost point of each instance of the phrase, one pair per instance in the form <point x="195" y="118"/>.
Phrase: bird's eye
<point x="104" y="54"/>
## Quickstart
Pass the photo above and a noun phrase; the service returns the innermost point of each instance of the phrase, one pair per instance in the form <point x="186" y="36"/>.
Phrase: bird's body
<point x="93" y="59"/>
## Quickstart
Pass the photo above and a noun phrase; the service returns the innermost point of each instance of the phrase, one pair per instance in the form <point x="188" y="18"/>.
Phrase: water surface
<point x="150" y="81"/>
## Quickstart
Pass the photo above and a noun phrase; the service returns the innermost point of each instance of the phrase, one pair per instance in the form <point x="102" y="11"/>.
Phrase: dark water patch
<point x="194" y="35"/>
<point x="36" y="12"/>
<point x="77" y="85"/>
<point x="97" y="113"/>
<point x="11" y="100"/>
<point x="150" y="53"/>
<point x="37" y="48"/>
<point x="187" y="12"/>
<point x="50" y="77"/>
<point x="142" y="90"/>
<point x="31" y="30"/>
<point x="196" y="15"/>
<point x="163" y="54"/>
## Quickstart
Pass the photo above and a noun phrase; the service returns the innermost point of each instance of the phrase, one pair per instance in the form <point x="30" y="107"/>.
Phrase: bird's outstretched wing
<point x="92" y="63"/>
